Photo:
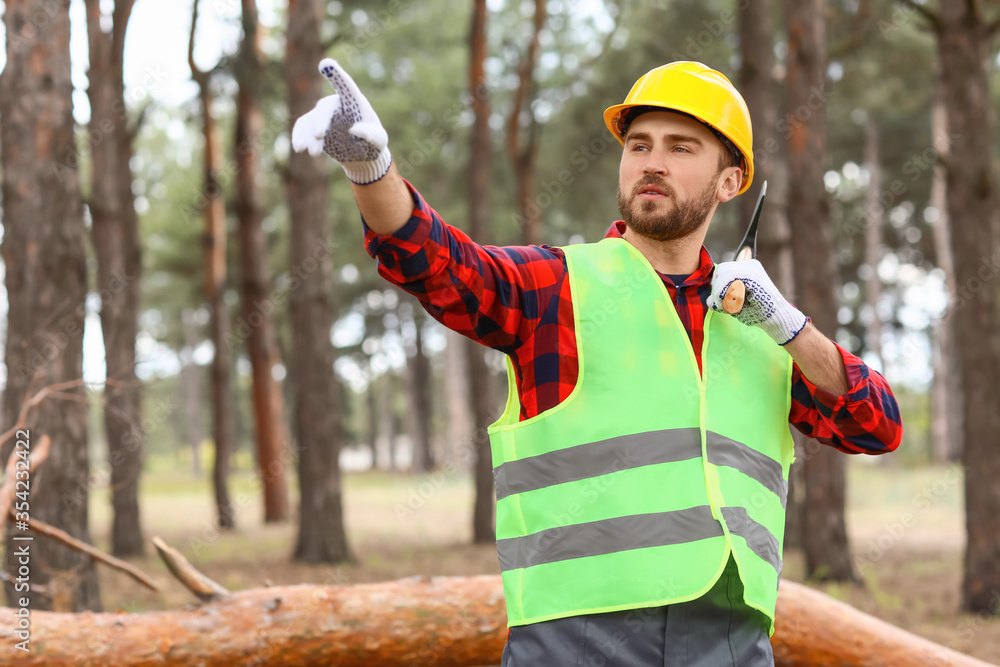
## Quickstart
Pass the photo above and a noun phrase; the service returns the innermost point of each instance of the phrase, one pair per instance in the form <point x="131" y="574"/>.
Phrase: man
<point x="641" y="464"/>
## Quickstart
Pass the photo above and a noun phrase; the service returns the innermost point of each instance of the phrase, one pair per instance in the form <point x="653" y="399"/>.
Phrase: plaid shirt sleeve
<point x="495" y="296"/>
<point x="864" y="420"/>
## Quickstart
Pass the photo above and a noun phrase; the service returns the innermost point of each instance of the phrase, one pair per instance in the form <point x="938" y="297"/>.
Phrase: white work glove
<point x="346" y="127"/>
<point x="764" y="306"/>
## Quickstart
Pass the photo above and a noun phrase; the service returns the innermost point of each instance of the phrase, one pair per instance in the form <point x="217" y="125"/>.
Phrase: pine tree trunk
<point x="116" y="245"/>
<point x="774" y="238"/>
<point x="421" y="394"/>
<point x="46" y="280"/>
<point x="758" y="88"/>
<point x="257" y="325"/>
<point x="874" y="219"/>
<point x="223" y="405"/>
<point x="483" y="530"/>
<point x="386" y="423"/>
<point x="321" y="537"/>
<point x="946" y="390"/>
<point x="824" y="534"/>
<point x="214" y="214"/>
<point x="191" y="383"/>
<point x="456" y="383"/>
<point x="387" y="416"/>
<point x="523" y="153"/>
<point x="973" y="204"/>
<point x="371" y="401"/>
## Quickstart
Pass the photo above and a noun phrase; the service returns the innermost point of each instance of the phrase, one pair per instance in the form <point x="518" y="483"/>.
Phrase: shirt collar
<point x="701" y="275"/>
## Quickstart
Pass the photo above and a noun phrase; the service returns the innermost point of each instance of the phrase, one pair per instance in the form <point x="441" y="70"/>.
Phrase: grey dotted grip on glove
<point x="346" y="128"/>
<point x="764" y="306"/>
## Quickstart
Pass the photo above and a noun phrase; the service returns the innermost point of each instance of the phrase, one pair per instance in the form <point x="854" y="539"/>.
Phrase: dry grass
<point x="906" y="527"/>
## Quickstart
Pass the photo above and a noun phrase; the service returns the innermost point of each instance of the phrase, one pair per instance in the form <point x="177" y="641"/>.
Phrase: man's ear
<point x="729" y="183"/>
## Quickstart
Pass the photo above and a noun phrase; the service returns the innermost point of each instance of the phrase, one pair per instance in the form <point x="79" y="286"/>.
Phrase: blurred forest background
<point x="225" y="367"/>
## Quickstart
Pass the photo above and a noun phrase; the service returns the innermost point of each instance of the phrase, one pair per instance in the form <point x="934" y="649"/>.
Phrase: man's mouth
<point x="649" y="191"/>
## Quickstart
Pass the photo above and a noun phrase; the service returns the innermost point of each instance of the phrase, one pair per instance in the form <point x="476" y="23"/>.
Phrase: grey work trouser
<point x="716" y="630"/>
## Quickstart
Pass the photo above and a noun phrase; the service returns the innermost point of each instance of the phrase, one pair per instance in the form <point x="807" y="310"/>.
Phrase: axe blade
<point x="750" y="238"/>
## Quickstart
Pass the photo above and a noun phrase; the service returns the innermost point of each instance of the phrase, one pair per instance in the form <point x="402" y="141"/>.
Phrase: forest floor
<point x="906" y="527"/>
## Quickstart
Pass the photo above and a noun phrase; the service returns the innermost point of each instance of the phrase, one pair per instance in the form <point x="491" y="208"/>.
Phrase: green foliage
<point x="411" y="60"/>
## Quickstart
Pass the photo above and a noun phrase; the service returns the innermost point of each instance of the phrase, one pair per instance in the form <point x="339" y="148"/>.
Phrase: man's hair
<point x="731" y="157"/>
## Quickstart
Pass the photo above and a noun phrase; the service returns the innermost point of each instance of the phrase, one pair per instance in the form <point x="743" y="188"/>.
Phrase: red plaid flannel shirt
<point x="517" y="300"/>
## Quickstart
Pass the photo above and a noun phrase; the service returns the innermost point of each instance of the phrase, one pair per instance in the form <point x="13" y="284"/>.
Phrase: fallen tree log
<point x="444" y="621"/>
<point x="814" y="629"/>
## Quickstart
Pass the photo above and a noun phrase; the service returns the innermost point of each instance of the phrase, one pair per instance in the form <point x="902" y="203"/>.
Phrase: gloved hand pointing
<point x="764" y="306"/>
<point x="346" y="127"/>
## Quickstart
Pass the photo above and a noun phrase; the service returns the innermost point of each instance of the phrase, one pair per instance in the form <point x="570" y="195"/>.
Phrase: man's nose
<point x="655" y="164"/>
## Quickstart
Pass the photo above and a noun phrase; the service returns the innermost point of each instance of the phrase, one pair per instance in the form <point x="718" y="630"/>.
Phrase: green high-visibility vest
<point x="634" y="490"/>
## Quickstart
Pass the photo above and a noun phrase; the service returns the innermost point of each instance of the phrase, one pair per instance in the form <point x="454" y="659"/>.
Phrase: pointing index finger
<point x="342" y="83"/>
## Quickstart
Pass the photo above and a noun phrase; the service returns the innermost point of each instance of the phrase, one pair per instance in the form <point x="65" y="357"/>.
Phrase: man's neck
<point x="676" y="257"/>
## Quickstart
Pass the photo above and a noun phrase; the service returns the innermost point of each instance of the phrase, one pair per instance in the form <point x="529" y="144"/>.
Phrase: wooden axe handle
<point x="732" y="302"/>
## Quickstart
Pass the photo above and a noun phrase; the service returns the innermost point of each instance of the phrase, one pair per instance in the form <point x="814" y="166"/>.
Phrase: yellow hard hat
<point x="697" y="90"/>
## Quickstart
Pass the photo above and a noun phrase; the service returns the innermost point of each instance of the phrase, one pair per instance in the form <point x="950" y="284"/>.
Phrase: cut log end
<point x="732" y="302"/>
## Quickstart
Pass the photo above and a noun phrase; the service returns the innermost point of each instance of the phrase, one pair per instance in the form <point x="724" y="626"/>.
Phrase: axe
<point x="732" y="302"/>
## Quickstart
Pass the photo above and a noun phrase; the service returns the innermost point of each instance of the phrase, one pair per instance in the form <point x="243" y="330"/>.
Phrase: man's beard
<point x="683" y="218"/>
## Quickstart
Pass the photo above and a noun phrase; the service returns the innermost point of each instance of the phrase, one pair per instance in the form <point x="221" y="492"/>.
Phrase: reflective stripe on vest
<point x="632" y="451"/>
<point x="635" y="532"/>
<point x="634" y="489"/>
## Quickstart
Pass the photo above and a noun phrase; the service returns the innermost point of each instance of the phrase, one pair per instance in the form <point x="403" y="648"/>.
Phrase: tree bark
<point x="443" y="621"/>
<point x="973" y="203"/>
<point x="421" y="394"/>
<point x="456" y="383"/>
<point x="371" y="401"/>
<point x="523" y="154"/>
<point x="774" y="241"/>
<point x="824" y="534"/>
<point x="46" y="280"/>
<point x="321" y="537"/>
<point x="483" y="530"/>
<point x="946" y="389"/>
<point x="214" y="214"/>
<point x="758" y="88"/>
<point x="387" y="420"/>
<point x="190" y="380"/>
<point x="874" y="219"/>
<point x="116" y="245"/>
<point x="257" y="328"/>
